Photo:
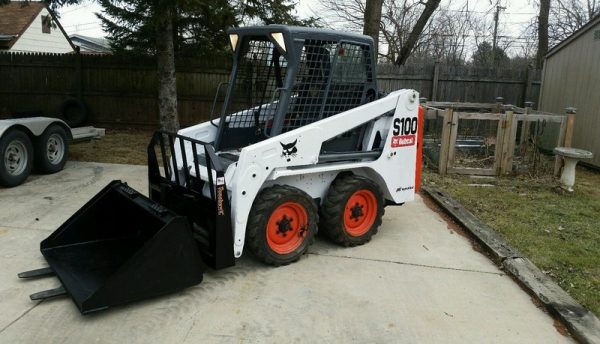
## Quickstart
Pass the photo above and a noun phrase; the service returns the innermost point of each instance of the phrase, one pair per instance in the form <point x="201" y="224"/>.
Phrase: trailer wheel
<point x="352" y="210"/>
<point x="282" y="224"/>
<point x="16" y="152"/>
<point x="51" y="150"/>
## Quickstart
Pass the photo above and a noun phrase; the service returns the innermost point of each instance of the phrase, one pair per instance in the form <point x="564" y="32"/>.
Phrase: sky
<point x="80" y="19"/>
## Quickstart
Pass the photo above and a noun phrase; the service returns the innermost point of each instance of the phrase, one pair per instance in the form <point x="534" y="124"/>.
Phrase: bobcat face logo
<point x="289" y="150"/>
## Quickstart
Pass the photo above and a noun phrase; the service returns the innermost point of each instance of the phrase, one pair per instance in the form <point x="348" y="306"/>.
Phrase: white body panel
<point x="265" y="163"/>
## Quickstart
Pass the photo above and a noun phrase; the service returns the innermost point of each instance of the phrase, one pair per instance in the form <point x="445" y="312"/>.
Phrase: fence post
<point x="445" y="144"/>
<point x="499" y="105"/>
<point x="452" y="140"/>
<point x="571" y="111"/>
<point x="565" y="137"/>
<point x="79" y="76"/>
<point x="436" y="78"/>
<point x="525" y="129"/>
<point x="528" y="83"/>
<point x="508" y="143"/>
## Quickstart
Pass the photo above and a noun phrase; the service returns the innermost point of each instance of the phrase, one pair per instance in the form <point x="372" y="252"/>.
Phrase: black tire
<point x="270" y="202"/>
<point x="51" y="150"/>
<point x="16" y="157"/>
<point x="74" y="112"/>
<point x="336" y="206"/>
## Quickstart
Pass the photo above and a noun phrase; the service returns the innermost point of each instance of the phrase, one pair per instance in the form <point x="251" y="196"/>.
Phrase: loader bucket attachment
<point x="121" y="247"/>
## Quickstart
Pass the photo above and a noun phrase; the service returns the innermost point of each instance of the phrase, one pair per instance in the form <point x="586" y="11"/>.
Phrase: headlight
<point x="278" y="37"/>
<point x="233" y="39"/>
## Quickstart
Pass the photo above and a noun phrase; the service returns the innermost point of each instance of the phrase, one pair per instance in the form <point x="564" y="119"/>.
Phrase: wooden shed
<point x="571" y="78"/>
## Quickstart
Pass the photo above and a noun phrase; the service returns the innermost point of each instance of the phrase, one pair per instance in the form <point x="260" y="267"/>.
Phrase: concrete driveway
<point x="416" y="282"/>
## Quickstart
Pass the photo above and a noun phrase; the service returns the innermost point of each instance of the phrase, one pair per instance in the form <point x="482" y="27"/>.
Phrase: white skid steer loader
<point x="304" y="143"/>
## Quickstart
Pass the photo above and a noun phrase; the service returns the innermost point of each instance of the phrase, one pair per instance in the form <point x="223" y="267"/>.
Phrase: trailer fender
<point x="33" y="126"/>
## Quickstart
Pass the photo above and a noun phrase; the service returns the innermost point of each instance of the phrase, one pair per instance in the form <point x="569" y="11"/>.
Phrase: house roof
<point x="585" y="28"/>
<point x="91" y="44"/>
<point x="16" y="18"/>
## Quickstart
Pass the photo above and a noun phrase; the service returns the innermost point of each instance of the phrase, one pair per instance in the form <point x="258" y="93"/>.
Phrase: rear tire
<point x="16" y="154"/>
<point x="282" y="224"/>
<point x="51" y="150"/>
<point x="352" y="210"/>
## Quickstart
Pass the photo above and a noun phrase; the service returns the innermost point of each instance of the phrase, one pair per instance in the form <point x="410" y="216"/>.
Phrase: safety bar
<point x="166" y="142"/>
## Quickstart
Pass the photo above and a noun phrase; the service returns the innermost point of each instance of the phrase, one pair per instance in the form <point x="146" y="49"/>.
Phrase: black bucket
<point x="122" y="247"/>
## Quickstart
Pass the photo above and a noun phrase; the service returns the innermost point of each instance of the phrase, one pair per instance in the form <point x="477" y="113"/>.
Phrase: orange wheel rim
<point x="360" y="212"/>
<point x="287" y="227"/>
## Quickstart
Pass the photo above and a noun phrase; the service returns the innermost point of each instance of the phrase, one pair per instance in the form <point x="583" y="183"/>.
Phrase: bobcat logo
<point x="289" y="150"/>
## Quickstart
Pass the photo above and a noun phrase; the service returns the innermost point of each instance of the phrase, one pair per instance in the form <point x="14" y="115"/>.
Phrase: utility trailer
<point x="303" y="143"/>
<point x="40" y="144"/>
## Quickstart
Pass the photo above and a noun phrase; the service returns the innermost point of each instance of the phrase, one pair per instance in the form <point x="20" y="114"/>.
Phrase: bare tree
<point x="348" y="14"/>
<point x="567" y="16"/>
<point x="397" y="19"/>
<point x="542" y="32"/>
<point x="451" y="34"/>
<point x="443" y="37"/>
<point x="372" y="18"/>
<point x="167" y="82"/>
<point x="447" y="38"/>
<point x="410" y="32"/>
<point x="430" y="7"/>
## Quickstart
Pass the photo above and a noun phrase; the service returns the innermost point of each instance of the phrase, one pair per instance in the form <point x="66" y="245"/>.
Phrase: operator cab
<point x="286" y="77"/>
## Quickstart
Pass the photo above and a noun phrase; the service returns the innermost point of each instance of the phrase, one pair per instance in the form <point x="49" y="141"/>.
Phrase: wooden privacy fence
<point x="489" y="139"/>
<point x="117" y="90"/>
<point x="121" y="90"/>
<point x="438" y="82"/>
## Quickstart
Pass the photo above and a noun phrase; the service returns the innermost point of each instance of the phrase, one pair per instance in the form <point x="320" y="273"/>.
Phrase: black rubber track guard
<point x="122" y="247"/>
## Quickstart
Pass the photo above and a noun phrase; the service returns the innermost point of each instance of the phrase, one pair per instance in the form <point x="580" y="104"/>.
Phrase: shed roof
<point x="16" y="18"/>
<point x="91" y="44"/>
<point x="588" y="26"/>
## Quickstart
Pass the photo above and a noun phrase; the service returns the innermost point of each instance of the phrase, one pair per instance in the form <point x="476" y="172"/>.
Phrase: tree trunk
<point x="372" y="20"/>
<point x="407" y="48"/>
<point x="542" y="33"/>
<point x="167" y="82"/>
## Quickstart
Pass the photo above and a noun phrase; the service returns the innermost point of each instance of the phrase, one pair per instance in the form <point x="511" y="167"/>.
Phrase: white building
<point x="31" y="27"/>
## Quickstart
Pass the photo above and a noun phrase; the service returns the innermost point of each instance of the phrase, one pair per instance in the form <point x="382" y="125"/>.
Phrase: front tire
<point x="16" y="152"/>
<point x="282" y="224"/>
<point x="352" y="211"/>
<point x="51" y="150"/>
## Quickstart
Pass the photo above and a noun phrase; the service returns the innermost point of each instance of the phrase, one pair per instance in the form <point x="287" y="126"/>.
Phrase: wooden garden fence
<point x="511" y="130"/>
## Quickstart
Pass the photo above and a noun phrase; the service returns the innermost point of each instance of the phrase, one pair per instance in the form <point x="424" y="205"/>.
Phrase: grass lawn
<point x="119" y="146"/>
<point x="560" y="233"/>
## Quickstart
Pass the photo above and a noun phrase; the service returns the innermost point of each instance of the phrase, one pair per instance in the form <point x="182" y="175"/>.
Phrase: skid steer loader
<point x="304" y="142"/>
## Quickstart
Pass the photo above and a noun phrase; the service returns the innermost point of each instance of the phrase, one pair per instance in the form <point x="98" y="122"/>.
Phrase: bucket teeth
<point x="42" y="295"/>
<point x="43" y="272"/>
